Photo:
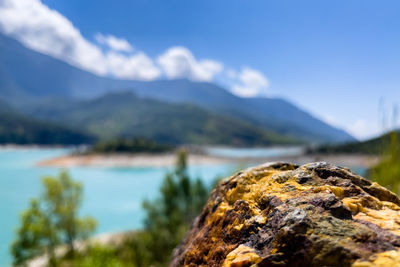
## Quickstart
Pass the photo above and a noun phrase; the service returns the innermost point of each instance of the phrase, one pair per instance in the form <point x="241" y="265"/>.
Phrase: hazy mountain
<point x="27" y="76"/>
<point x="126" y="115"/>
<point x="273" y="113"/>
<point x="16" y="128"/>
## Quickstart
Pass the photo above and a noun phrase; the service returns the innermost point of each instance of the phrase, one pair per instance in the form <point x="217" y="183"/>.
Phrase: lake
<point x="112" y="195"/>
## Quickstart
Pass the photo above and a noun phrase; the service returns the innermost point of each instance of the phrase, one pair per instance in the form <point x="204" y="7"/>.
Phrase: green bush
<point x="97" y="256"/>
<point x="387" y="171"/>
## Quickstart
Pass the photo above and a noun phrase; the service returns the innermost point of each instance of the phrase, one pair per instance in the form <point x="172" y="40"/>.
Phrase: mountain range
<point x="49" y="89"/>
<point x="134" y="116"/>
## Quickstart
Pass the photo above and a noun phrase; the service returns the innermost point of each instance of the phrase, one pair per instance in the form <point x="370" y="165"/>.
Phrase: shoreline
<point x="169" y="159"/>
<point x="195" y="157"/>
<point x="124" y="160"/>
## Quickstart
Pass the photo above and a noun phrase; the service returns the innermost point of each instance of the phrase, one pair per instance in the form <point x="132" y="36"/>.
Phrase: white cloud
<point x="47" y="31"/>
<point x="179" y="62"/>
<point x="137" y="66"/>
<point x="364" y="129"/>
<point x="361" y="129"/>
<point x="251" y="82"/>
<point x="116" y="44"/>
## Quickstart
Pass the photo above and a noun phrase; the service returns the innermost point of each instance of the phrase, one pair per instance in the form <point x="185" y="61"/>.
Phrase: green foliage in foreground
<point x="49" y="221"/>
<point x="133" y="145"/>
<point x="387" y="172"/>
<point x="99" y="256"/>
<point x="52" y="220"/>
<point x="167" y="219"/>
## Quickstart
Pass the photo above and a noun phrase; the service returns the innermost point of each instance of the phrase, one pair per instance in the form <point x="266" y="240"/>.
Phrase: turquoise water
<point x="112" y="195"/>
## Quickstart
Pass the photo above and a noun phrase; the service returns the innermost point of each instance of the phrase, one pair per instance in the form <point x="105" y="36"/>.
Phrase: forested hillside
<point x="16" y="128"/>
<point x="126" y="115"/>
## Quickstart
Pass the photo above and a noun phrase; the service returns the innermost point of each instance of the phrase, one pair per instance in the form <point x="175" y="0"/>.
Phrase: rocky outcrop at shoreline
<point x="279" y="214"/>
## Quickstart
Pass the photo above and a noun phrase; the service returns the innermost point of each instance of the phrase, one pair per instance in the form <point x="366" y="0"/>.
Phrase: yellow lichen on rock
<point x="241" y="256"/>
<point x="384" y="259"/>
<point x="279" y="214"/>
<point x="386" y="218"/>
<point x="336" y="190"/>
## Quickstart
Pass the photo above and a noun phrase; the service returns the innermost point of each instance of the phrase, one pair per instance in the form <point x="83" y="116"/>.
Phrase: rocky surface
<point x="280" y="214"/>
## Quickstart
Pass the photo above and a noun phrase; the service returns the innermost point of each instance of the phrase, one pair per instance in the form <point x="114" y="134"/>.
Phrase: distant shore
<point x="126" y="160"/>
<point x="196" y="157"/>
<point x="169" y="159"/>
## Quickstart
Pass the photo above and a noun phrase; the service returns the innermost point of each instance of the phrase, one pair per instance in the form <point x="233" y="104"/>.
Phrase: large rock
<point x="279" y="214"/>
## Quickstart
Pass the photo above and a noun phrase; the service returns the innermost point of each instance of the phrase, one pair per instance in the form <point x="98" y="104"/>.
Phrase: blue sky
<point x="336" y="59"/>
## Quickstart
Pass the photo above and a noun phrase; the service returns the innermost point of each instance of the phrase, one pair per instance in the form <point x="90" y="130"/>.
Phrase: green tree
<point x="169" y="216"/>
<point x="51" y="220"/>
<point x="34" y="236"/>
